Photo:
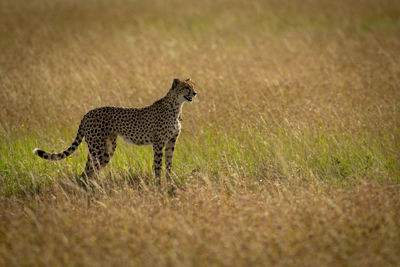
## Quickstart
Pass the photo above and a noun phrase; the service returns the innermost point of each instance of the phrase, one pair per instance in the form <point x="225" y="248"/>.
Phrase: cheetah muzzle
<point x="158" y="125"/>
<point x="188" y="98"/>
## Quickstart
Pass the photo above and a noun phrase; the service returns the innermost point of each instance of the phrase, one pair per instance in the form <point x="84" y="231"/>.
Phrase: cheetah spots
<point x="157" y="124"/>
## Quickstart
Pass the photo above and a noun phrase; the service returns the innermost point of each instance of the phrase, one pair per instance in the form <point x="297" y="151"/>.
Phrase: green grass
<point x="249" y="153"/>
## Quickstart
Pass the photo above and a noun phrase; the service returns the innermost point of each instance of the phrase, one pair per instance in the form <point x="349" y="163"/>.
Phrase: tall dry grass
<point x="289" y="156"/>
<point x="275" y="223"/>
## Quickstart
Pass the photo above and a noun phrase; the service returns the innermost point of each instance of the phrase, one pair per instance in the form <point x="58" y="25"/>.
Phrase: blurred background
<point x="61" y="58"/>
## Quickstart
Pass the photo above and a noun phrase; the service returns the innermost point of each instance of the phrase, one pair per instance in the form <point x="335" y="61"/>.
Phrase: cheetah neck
<point x="173" y="104"/>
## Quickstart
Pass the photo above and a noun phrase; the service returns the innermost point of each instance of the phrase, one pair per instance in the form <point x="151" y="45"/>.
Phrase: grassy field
<point x="290" y="154"/>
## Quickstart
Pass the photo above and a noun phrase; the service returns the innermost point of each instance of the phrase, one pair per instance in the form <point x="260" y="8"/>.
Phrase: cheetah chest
<point x="176" y="128"/>
<point x="172" y="129"/>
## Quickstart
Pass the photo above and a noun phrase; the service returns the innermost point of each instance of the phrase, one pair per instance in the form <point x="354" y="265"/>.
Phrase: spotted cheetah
<point x="158" y="125"/>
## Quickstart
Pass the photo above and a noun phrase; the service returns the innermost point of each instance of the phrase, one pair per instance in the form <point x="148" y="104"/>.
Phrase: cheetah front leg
<point x="157" y="163"/>
<point x="169" y="152"/>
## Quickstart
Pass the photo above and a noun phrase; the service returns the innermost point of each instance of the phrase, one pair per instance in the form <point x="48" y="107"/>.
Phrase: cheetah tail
<point x="64" y="154"/>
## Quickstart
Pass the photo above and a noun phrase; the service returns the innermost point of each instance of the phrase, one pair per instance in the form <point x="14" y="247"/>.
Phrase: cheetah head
<point x="183" y="90"/>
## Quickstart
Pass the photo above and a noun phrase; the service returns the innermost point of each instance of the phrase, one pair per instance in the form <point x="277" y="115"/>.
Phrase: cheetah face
<point x="184" y="90"/>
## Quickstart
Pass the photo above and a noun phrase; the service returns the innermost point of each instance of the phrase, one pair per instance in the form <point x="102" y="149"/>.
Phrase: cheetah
<point x="158" y="125"/>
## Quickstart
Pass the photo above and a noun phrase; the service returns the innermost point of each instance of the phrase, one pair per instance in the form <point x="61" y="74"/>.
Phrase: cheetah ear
<point x="175" y="83"/>
<point x="188" y="80"/>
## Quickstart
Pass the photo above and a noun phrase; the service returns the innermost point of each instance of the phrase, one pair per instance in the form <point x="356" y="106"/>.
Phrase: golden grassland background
<point x="290" y="154"/>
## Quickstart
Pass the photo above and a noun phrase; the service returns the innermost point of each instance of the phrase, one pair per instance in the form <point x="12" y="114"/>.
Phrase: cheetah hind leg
<point x="111" y="145"/>
<point x="94" y="158"/>
<point x="98" y="157"/>
<point x="91" y="168"/>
